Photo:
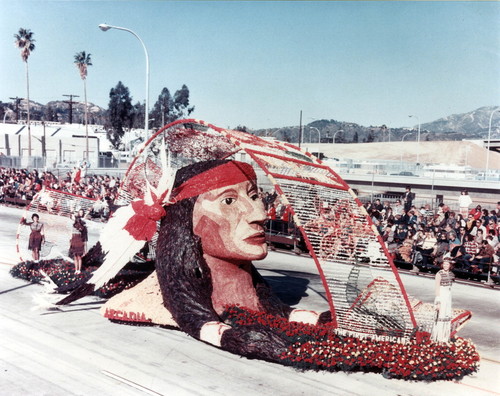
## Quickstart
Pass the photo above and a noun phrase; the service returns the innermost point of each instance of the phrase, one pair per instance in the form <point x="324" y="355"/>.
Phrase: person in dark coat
<point x="78" y="241"/>
<point x="408" y="198"/>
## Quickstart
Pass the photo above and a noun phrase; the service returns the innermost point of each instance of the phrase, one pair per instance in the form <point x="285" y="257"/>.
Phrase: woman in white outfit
<point x="464" y="201"/>
<point x="442" y="303"/>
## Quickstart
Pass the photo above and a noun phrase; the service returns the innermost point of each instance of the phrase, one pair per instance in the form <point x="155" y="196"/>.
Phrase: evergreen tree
<point x="50" y="114"/>
<point x="355" y="137"/>
<point x="137" y="116"/>
<point x="120" y="113"/>
<point x="370" y="138"/>
<point x="181" y="102"/>
<point x="163" y="109"/>
<point x="168" y="109"/>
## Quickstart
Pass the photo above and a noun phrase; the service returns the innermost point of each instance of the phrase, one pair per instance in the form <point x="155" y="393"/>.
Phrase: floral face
<point x="230" y="222"/>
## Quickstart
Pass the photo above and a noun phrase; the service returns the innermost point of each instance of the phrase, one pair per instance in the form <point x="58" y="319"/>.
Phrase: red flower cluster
<point x="319" y="347"/>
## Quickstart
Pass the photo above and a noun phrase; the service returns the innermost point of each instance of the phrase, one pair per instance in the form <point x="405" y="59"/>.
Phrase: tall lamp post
<point x="319" y="134"/>
<point x="489" y="142"/>
<point x="418" y="138"/>
<point x="335" y="134"/>
<point x="402" y="140"/>
<point x="104" y="27"/>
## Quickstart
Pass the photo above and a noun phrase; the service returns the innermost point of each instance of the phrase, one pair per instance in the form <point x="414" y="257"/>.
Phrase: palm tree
<point x="82" y="61"/>
<point x="25" y="43"/>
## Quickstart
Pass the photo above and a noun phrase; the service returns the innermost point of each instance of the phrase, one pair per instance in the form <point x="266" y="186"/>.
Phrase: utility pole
<point x="70" y="102"/>
<point x="18" y="100"/>
<point x="300" y="129"/>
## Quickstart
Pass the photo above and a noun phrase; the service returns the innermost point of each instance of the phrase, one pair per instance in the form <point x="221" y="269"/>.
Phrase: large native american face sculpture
<point x="230" y="222"/>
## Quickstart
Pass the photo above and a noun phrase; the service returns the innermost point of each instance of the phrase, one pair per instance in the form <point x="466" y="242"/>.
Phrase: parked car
<point x="404" y="173"/>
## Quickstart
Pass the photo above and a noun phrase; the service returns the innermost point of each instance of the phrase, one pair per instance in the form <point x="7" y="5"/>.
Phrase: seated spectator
<point x="398" y="208"/>
<point x="491" y="226"/>
<point x="426" y="247"/>
<point x="406" y="249"/>
<point x="401" y="232"/>
<point x="440" y="249"/>
<point x="484" y="257"/>
<point x="476" y="212"/>
<point x="479" y="236"/>
<point x="377" y="205"/>
<point x="462" y="235"/>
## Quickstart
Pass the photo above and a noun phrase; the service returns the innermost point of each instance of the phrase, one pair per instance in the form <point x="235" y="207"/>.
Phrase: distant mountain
<point x="58" y="111"/>
<point x="472" y="125"/>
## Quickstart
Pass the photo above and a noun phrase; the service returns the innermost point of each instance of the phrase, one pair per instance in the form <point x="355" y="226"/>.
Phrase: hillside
<point x="471" y="125"/>
<point x="444" y="152"/>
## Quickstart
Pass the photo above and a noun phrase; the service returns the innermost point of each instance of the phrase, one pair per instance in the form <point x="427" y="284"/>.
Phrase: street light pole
<point x="319" y="134"/>
<point x="104" y="27"/>
<point x="489" y="143"/>
<point x="418" y="137"/>
<point x="401" y="162"/>
<point x="335" y="134"/>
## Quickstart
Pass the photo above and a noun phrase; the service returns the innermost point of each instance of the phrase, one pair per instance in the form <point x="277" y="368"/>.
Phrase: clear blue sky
<point x="260" y="63"/>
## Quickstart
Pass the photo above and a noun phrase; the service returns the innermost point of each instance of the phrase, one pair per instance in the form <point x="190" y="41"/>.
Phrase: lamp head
<point x="104" y="27"/>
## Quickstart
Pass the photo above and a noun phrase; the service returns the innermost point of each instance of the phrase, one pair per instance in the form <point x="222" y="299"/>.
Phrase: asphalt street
<point x="75" y="351"/>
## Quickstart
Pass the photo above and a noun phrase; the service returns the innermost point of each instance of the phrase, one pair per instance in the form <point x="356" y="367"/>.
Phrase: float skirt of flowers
<point x="320" y="348"/>
<point x="63" y="274"/>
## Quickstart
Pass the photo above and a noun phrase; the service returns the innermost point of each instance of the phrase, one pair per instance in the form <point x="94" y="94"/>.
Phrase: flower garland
<point x="62" y="273"/>
<point x="318" y="347"/>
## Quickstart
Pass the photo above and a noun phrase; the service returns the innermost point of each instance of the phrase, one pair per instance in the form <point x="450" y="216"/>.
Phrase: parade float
<point x="370" y="323"/>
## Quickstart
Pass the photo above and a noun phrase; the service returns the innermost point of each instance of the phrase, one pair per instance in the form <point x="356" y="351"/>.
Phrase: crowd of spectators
<point x="19" y="186"/>
<point x="419" y="236"/>
<point x="422" y="236"/>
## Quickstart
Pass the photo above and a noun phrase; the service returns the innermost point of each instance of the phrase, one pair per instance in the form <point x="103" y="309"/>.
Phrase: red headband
<point x="142" y="224"/>
<point x="224" y="175"/>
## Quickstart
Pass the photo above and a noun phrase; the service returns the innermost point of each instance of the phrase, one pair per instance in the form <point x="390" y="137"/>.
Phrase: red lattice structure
<point x="364" y="291"/>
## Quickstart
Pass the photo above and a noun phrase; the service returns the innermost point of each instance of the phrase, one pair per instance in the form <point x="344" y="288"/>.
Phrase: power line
<point x="18" y="100"/>
<point x="70" y="102"/>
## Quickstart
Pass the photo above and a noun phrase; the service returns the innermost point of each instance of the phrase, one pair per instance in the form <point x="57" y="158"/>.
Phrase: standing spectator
<point x="287" y="214"/>
<point x="408" y="198"/>
<point x="464" y="201"/>
<point x="271" y="213"/>
<point x="36" y="235"/>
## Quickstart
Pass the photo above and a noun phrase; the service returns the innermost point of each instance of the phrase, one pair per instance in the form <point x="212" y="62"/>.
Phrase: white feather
<point x="45" y="300"/>
<point x="48" y="283"/>
<point x="116" y="242"/>
<point x="118" y="245"/>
